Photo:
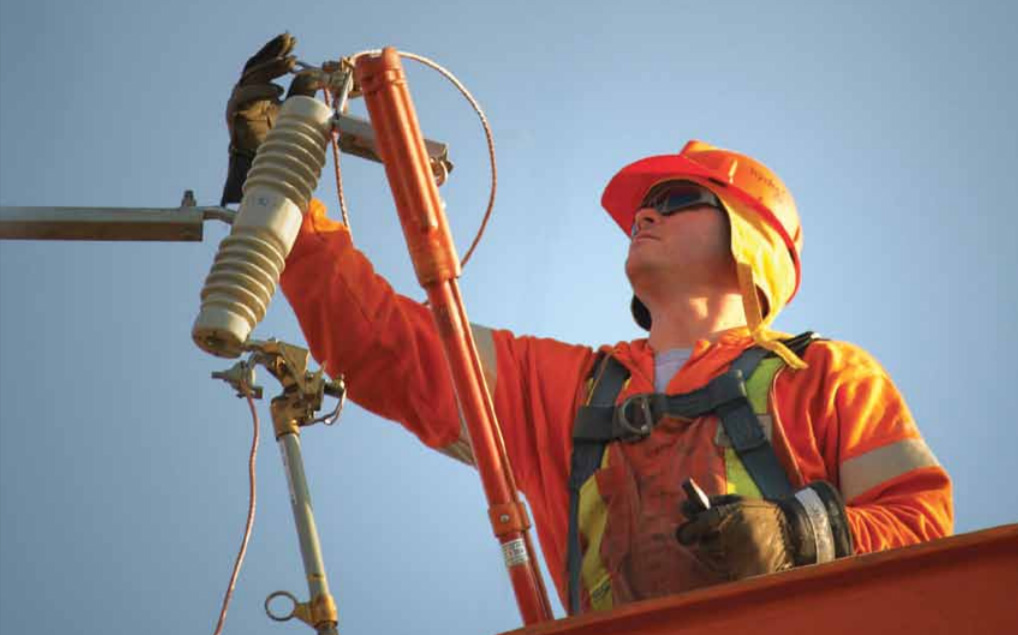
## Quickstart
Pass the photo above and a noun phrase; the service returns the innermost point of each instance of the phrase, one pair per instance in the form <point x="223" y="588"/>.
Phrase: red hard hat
<point x="725" y="173"/>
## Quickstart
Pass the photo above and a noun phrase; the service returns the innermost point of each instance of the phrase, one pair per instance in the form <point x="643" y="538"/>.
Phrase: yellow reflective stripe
<point x="485" y="344"/>
<point x="737" y="478"/>
<point x="593" y="517"/>
<point x="758" y="387"/>
<point x="866" y="471"/>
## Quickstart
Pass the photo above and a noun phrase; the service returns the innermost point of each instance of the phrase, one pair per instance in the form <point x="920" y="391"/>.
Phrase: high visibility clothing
<point x="841" y="420"/>
<point x="626" y="512"/>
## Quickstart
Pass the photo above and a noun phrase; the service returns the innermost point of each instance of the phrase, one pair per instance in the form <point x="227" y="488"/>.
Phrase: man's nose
<point x="645" y="217"/>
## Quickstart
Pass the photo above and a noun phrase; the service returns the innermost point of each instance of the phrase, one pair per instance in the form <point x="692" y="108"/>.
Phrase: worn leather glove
<point x="254" y="105"/>
<point x="739" y="538"/>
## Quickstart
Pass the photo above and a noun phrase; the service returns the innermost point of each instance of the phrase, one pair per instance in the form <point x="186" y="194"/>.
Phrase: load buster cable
<point x="335" y="98"/>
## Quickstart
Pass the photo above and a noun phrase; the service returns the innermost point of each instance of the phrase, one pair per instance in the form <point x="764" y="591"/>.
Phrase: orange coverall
<point x="841" y="420"/>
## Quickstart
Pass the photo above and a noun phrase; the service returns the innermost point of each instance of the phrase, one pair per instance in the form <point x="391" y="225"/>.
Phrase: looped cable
<point x="487" y="135"/>
<point x="489" y="138"/>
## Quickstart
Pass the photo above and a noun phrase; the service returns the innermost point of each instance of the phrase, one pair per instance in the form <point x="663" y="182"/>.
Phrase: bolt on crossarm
<point x="403" y="152"/>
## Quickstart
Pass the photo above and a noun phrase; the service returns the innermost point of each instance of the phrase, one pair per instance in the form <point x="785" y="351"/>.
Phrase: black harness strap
<point x="611" y="377"/>
<point x="636" y="417"/>
<point x="600" y="422"/>
<point x="743" y="427"/>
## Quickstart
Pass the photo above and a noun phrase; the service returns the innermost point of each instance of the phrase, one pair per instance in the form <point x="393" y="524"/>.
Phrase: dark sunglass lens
<point x="680" y="200"/>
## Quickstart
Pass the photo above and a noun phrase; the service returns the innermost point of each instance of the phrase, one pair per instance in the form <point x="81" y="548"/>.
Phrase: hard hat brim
<point x="625" y="192"/>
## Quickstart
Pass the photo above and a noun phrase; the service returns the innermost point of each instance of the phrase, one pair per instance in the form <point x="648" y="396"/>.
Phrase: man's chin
<point x="640" y="262"/>
<point x="642" y="272"/>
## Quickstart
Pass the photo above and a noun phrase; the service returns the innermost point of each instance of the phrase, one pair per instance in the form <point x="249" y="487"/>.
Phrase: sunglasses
<point x="674" y="198"/>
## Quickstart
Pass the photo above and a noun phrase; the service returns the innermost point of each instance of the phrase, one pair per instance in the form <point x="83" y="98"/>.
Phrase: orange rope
<point x="250" y="517"/>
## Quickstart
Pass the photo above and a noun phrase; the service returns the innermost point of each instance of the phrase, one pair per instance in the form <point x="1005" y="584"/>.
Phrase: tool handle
<point x="403" y="153"/>
<point x="696" y="495"/>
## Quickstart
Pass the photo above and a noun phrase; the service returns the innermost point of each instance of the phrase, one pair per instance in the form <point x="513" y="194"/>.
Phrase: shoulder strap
<point x="608" y="379"/>
<point x="743" y="427"/>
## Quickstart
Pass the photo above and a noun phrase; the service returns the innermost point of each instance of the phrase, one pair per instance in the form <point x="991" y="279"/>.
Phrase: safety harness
<point x="601" y="422"/>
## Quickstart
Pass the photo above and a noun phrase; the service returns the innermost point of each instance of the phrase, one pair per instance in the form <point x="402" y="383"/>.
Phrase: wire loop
<point x="331" y="100"/>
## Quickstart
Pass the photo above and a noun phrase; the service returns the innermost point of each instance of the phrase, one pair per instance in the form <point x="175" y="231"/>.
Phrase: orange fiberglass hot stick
<point x="403" y="153"/>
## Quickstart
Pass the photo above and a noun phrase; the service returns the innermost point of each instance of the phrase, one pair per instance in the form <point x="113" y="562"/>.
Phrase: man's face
<point x="680" y="234"/>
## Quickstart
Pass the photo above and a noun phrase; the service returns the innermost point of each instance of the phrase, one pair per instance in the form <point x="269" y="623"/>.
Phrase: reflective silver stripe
<point x="860" y="474"/>
<point x="816" y="512"/>
<point x="460" y="449"/>
<point x="486" y="351"/>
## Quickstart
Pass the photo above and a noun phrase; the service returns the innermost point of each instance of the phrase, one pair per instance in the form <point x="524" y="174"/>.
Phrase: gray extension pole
<point x="307" y="533"/>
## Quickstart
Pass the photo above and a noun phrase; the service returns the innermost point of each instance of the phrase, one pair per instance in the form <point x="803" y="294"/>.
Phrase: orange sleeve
<point x="389" y="352"/>
<point x="851" y="427"/>
<point x="356" y="325"/>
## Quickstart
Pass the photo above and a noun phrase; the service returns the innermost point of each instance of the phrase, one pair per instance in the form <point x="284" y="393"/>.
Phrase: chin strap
<point x="762" y="336"/>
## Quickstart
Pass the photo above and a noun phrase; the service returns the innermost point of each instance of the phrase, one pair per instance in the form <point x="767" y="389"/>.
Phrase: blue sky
<point x="123" y="465"/>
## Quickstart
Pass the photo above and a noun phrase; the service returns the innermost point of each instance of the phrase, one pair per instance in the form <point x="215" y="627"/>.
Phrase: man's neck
<point x="679" y="322"/>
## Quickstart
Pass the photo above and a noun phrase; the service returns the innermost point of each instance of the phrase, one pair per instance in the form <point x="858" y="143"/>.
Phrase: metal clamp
<point x="241" y="376"/>
<point x="321" y="610"/>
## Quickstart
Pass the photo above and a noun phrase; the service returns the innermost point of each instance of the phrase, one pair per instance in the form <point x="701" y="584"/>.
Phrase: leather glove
<point x="739" y="538"/>
<point x="254" y="105"/>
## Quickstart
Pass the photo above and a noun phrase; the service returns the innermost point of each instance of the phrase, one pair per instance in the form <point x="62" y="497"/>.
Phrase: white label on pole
<point x="515" y="552"/>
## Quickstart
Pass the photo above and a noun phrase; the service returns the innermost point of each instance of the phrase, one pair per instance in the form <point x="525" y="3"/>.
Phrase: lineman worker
<point x="804" y="447"/>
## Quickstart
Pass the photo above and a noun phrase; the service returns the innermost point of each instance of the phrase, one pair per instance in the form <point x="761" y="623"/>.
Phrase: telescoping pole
<point x="404" y="155"/>
<point x="320" y="611"/>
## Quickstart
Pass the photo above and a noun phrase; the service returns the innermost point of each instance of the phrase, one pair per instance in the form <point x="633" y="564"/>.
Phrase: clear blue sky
<point x="123" y="465"/>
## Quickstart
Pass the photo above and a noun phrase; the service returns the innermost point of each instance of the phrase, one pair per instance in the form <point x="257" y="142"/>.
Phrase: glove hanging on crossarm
<point x="254" y="105"/>
<point x="739" y="538"/>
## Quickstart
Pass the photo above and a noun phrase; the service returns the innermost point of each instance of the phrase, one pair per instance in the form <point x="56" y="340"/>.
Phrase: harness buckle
<point x="635" y="430"/>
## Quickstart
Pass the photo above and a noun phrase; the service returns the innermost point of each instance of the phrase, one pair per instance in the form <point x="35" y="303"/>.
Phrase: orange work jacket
<point x="840" y="420"/>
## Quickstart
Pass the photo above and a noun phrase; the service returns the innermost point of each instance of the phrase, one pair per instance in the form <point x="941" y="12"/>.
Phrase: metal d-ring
<point x="633" y="431"/>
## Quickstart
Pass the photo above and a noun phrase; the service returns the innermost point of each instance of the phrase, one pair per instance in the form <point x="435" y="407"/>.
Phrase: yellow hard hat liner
<point x="765" y="268"/>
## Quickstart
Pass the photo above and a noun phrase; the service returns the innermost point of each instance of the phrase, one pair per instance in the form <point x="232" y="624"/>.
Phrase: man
<point x="804" y="447"/>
